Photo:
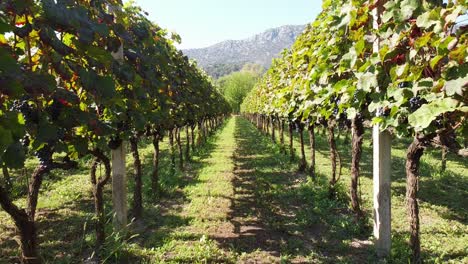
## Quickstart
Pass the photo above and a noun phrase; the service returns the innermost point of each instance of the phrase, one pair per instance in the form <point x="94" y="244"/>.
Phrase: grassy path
<point x="250" y="206"/>
<point x="247" y="205"/>
<point x="185" y="222"/>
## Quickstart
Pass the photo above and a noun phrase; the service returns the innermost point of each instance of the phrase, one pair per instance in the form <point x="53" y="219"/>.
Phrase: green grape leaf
<point x="78" y="147"/>
<point x="350" y="57"/>
<point x="408" y="7"/>
<point x="4" y="27"/>
<point x="14" y="156"/>
<point x="100" y="55"/>
<point x="435" y="61"/>
<point x="6" y="138"/>
<point x="360" y="46"/>
<point x="387" y="16"/>
<point x="351" y="112"/>
<point x="7" y="63"/>
<point x="85" y="36"/>
<point x="105" y="87"/>
<point x="87" y="78"/>
<point x="427" y="113"/>
<point x="346" y="10"/>
<point x="442" y="47"/>
<point x="423" y="40"/>
<point x="46" y="132"/>
<point x="367" y="81"/>
<point x="453" y="87"/>
<point x="427" y="20"/>
<point x="459" y="54"/>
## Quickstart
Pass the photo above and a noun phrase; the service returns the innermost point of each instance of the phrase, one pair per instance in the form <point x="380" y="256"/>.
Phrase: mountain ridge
<point x="231" y="55"/>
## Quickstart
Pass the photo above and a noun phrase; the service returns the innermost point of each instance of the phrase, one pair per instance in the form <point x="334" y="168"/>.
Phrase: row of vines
<point x="399" y="65"/>
<point x="80" y="78"/>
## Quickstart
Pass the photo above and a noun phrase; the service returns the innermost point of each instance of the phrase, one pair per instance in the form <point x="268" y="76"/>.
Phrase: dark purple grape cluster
<point x="355" y="97"/>
<point x="55" y="109"/>
<point x="404" y="85"/>
<point x="386" y="112"/>
<point x="114" y="143"/>
<point x="44" y="155"/>
<point x="438" y="122"/>
<point x="25" y="141"/>
<point x="30" y="115"/>
<point x="335" y="111"/>
<point x="61" y="133"/>
<point x="416" y="102"/>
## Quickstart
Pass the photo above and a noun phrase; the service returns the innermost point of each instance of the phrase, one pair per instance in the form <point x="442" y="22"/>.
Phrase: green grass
<point x="240" y="200"/>
<point x="195" y="211"/>
<point x="65" y="207"/>
<point x="443" y="198"/>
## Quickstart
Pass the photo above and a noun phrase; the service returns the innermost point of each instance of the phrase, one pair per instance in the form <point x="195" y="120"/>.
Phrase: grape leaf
<point x="14" y="156"/>
<point x="427" y="113"/>
<point x="453" y="87"/>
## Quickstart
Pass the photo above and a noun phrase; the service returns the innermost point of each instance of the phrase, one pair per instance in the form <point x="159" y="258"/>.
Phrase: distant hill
<point x="231" y="55"/>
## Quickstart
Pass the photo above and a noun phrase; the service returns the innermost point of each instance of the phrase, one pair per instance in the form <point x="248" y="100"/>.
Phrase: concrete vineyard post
<point x="381" y="171"/>
<point x="119" y="177"/>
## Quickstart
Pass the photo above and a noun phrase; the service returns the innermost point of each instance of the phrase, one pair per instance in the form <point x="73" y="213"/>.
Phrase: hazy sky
<point x="205" y="22"/>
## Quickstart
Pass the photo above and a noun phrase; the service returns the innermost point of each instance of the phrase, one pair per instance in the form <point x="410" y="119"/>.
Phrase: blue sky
<point x="201" y="23"/>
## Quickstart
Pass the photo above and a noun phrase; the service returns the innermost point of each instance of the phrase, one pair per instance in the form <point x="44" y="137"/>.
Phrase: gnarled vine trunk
<point x="137" y="206"/>
<point x="273" y="136"/>
<point x="333" y="157"/>
<point x="200" y="132"/>
<point x="281" y="127"/>
<point x="413" y="157"/>
<point x="155" y="172"/>
<point x="291" y="139"/>
<point x="192" y="128"/>
<point x="312" y="151"/>
<point x="7" y="178"/>
<point x="443" y="166"/>
<point x="187" y="143"/>
<point x="172" y="147"/>
<point x="98" y="208"/>
<point x="206" y="130"/>
<point x="302" y="162"/>
<point x="357" y="128"/>
<point x="98" y="194"/>
<point x="179" y="145"/>
<point x="25" y="219"/>
<point x="26" y="228"/>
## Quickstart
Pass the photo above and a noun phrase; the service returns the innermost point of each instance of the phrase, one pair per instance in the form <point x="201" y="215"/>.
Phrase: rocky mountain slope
<point x="228" y="56"/>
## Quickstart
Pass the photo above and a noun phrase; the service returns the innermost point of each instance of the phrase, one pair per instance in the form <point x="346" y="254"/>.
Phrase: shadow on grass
<point x="448" y="189"/>
<point x="60" y="224"/>
<point x="280" y="212"/>
<point x="160" y="221"/>
<point x="66" y="234"/>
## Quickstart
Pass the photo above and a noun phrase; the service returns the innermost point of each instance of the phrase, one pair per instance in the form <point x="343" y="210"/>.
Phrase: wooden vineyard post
<point x="381" y="171"/>
<point x="119" y="177"/>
